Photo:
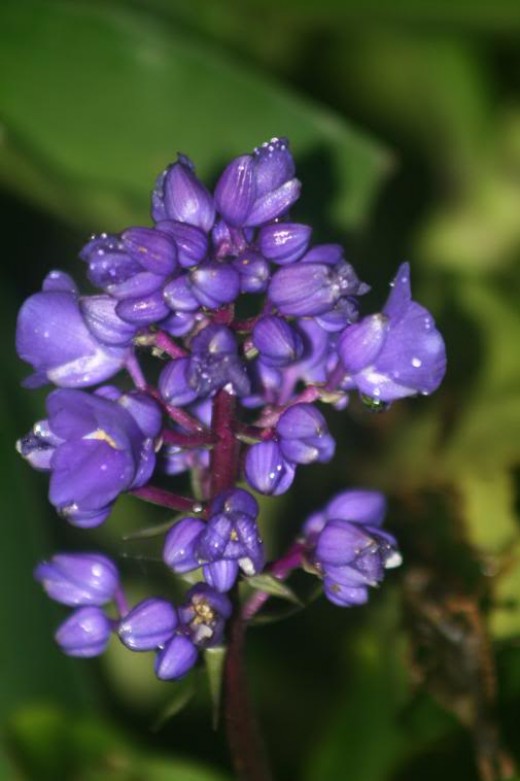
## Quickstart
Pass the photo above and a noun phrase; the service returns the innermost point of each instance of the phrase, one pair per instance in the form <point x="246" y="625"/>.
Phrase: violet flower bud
<point x="255" y="189"/>
<point x="215" y="284"/>
<point x="303" y="435"/>
<point x="149" y="624"/>
<point x="254" y="272"/>
<point x="179" y="296"/>
<point x="266" y="469"/>
<point x="145" y="310"/>
<point x="191" y="242"/>
<point x="174" y="383"/>
<point x="85" y="633"/>
<point x="176" y="659"/>
<point x="221" y="575"/>
<point x="236" y="190"/>
<point x="285" y="242"/>
<point x="180" y="545"/>
<point x="278" y="343"/>
<point x="78" y="579"/>
<point x="180" y="196"/>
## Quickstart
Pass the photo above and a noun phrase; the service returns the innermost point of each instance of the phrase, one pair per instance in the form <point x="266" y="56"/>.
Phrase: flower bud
<point x="266" y="469"/>
<point x="180" y="545"/>
<point x="176" y="658"/>
<point x="85" y="633"/>
<point x="78" y="579"/>
<point x="180" y="196"/>
<point x="148" y="625"/>
<point x="285" y="242"/>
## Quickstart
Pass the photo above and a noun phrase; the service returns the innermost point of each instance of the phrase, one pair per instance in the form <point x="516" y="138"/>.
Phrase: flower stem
<point x="245" y="743"/>
<point x="244" y="738"/>
<point x="164" y="498"/>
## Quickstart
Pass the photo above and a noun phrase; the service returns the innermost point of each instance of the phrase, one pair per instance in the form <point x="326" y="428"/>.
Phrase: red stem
<point x="166" y="499"/>
<point x="245" y="743"/>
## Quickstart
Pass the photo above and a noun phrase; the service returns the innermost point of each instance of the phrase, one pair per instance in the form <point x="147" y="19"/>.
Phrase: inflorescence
<point x="253" y="325"/>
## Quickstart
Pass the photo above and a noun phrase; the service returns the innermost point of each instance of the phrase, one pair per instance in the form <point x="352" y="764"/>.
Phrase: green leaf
<point x="48" y="744"/>
<point x="100" y="98"/>
<point x="214" y="659"/>
<point x="184" y="692"/>
<point x="273" y="586"/>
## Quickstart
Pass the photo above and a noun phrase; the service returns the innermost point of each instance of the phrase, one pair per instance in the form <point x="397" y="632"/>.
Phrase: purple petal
<point x="191" y="242"/>
<point x="221" y="575"/>
<point x="341" y="542"/>
<point x="344" y="596"/>
<point x="174" y="383"/>
<point x="358" y="506"/>
<point x="104" y="322"/>
<point x="154" y="250"/>
<point x="176" y="658"/>
<point x="180" y="545"/>
<point x="214" y="284"/>
<point x="235" y="190"/>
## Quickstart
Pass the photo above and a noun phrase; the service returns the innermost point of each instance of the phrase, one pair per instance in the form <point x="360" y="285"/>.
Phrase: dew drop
<point x="416" y="363"/>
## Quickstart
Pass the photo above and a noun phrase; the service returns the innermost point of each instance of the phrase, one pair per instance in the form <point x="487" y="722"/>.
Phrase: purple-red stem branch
<point x="167" y="499"/>
<point x="245" y="743"/>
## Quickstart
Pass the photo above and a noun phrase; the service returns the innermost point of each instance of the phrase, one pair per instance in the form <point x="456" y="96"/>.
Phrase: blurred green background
<point x="404" y="119"/>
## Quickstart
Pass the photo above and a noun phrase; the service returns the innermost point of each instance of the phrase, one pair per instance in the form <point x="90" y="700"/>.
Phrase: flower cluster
<point x="254" y="325"/>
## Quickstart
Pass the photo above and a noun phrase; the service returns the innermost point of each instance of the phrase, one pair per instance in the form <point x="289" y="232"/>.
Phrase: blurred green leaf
<point x="478" y="229"/>
<point x="27" y="673"/>
<point x="367" y="736"/>
<point x="505" y="615"/>
<point x="99" y="99"/>
<point x="499" y="15"/>
<point x="48" y="745"/>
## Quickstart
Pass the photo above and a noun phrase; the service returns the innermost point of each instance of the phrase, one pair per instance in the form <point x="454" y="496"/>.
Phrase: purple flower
<point x="396" y="353"/>
<point x="201" y="625"/>
<point x="203" y="615"/>
<point x="52" y="334"/>
<point x="255" y="189"/>
<point x="149" y="625"/>
<point x="79" y="579"/>
<point x="85" y="633"/>
<point x="95" y="449"/>
<point x="231" y="534"/>
<point x="348" y="548"/>
<point x="303" y="435"/>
